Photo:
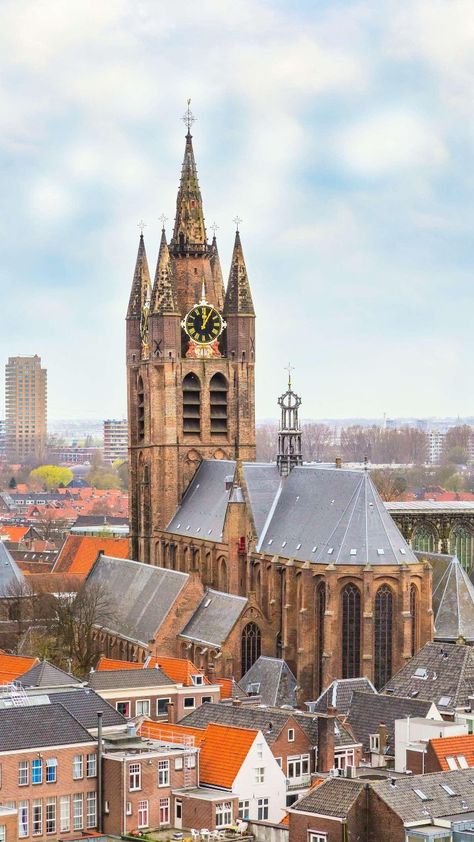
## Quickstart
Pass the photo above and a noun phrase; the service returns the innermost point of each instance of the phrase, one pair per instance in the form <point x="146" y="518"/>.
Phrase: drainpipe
<point x="99" y="773"/>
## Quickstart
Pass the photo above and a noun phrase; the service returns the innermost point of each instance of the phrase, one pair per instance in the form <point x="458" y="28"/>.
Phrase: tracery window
<point x="461" y="544"/>
<point x="191" y="404"/>
<point x="414" y="618"/>
<point x="251" y="643"/>
<point x="218" y="404"/>
<point x="423" y="540"/>
<point x="383" y="636"/>
<point x="350" y="631"/>
<point x="320" y="610"/>
<point x="140" y="410"/>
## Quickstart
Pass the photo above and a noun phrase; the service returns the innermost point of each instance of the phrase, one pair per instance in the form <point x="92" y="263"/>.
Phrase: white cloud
<point x="49" y="201"/>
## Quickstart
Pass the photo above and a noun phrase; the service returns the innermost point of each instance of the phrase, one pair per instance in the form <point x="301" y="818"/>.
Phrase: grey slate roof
<point x="45" y="674"/>
<point x="262" y="482"/>
<point x="449" y="676"/>
<point x="339" y="694"/>
<point x="204" y="506"/>
<point x="269" y="720"/>
<point x="274" y="679"/>
<point x="334" y="797"/>
<point x="128" y="679"/>
<point x="214" y="618"/>
<point x="453" y="602"/>
<point x="83" y="703"/>
<point x="404" y="801"/>
<point x="39" y="726"/>
<point x="368" y="710"/>
<point x="142" y="594"/>
<point x="439" y="563"/>
<point x="10" y="574"/>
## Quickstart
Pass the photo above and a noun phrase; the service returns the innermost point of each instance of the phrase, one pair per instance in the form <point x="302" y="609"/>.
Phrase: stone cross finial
<point x="141" y="225"/>
<point x="188" y="118"/>
<point x="237" y="220"/>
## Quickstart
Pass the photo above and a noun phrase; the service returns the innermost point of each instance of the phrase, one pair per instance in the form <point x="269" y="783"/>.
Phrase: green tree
<point x="12" y="483"/>
<point x="51" y="476"/>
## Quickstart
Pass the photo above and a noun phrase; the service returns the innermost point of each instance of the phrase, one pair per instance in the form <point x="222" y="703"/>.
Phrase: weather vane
<point x="214" y="228"/>
<point x="188" y="118"/>
<point x="141" y="225"/>
<point x="289" y="368"/>
<point x="163" y="219"/>
<point x="237" y="220"/>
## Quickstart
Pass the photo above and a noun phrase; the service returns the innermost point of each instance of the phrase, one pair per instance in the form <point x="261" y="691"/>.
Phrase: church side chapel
<point x="324" y="578"/>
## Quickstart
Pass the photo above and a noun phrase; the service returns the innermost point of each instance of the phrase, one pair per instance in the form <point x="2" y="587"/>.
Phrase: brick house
<point x="332" y="811"/>
<point x="48" y="764"/>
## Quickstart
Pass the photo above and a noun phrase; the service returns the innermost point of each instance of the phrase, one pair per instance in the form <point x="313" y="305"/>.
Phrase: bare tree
<point x="77" y="618"/>
<point x="389" y="484"/>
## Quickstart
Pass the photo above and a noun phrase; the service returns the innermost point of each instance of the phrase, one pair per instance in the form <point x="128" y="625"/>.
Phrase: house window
<point x="142" y="707"/>
<point x="37" y="771"/>
<point x="51" y="771"/>
<point x="259" y="774"/>
<point x="314" y="836"/>
<point x="134" y="777"/>
<point x="197" y="679"/>
<point x="91" y="814"/>
<point x="244" y="809"/>
<point x="91" y="766"/>
<point x="37" y="817"/>
<point x="206" y="700"/>
<point x="78" y="767"/>
<point x="262" y="809"/>
<point x="64" y="813"/>
<point x="50" y="815"/>
<point x="189" y="702"/>
<point x="162" y="707"/>
<point x="23" y="822"/>
<point x="178" y="764"/>
<point x="298" y="767"/>
<point x="143" y="814"/>
<point x="344" y="758"/>
<point x="191" y="761"/>
<point x="3" y="833"/>
<point x="23" y="773"/>
<point x="163" y="773"/>
<point x="78" y="810"/>
<point x="374" y="742"/>
<point x="123" y="708"/>
<point x="350" y="631"/>
<point x="224" y="814"/>
<point x="164" y="811"/>
<point x="291" y="735"/>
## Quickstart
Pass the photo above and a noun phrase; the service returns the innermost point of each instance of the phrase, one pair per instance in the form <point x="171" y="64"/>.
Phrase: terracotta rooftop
<point x="79" y="553"/>
<point x="180" y="670"/>
<point x="454" y="747"/>
<point x="13" y="533"/>
<point x="12" y="666"/>
<point x="223" y="751"/>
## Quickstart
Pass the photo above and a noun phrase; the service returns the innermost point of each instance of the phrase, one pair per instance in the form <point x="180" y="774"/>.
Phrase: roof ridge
<point x="382" y="512"/>
<point x="354" y="498"/>
<point x="279" y="679"/>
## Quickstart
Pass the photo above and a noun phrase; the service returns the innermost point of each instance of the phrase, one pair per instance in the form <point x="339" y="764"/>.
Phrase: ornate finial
<point x="214" y="228"/>
<point x="141" y="225"/>
<point x="188" y="118"/>
<point x="289" y="368"/>
<point x="237" y="220"/>
<point x="203" y="292"/>
<point x="163" y="219"/>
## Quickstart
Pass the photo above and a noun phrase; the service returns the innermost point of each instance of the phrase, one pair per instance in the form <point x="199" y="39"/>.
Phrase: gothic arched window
<point x="383" y="636"/>
<point x="222" y="575"/>
<point x="423" y="539"/>
<point x="320" y="610"/>
<point x="140" y="410"/>
<point x="218" y="404"/>
<point x="461" y="544"/>
<point x="414" y="618"/>
<point x="350" y="631"/>
<point x="251" y="643"/>
<point x="191" y="404"/>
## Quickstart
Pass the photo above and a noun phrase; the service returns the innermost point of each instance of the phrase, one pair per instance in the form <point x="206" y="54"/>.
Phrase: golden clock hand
<point x="205" y="321"/>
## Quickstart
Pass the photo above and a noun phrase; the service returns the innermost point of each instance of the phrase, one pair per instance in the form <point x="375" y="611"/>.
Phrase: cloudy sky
<point x="340" y="131"/>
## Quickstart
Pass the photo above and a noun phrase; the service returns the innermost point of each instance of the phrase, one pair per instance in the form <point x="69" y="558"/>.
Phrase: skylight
<point x="403" y="552"/>
<point x="380" y="552"/>
<point x="353" y="552"/>
<point x="271" y="541"/>
<point x="463" y="764"/>
<point x="420" y="794"/>
<point x="314" y="549"/>
<point x="445" y="700"/>
<point x="330" y="550"/>
<point x="448" y="789"/>
<point x="420" y="672"/>
<point x="283" y="544"/>
<point x="298" y="546"/>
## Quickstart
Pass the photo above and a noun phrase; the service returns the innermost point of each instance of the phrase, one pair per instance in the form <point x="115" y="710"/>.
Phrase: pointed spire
<point x="217" y="272"/>
<point x="163" y="297"/>
<point x="238" y="297"/>
<point x="141" y="283"/>
<point x="189" y="235"/>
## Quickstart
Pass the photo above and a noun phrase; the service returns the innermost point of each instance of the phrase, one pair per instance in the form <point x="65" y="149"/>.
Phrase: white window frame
<point x="91" y="765"/>
<point x="3" y="833"/>
<point x="23" y="819"/>
<point x="189" y="699"/>
<point x="64" y="813"/>
<point x="37" y="763"/>
<point x="163" y="773"/>
<point x="344" y="758"/>
<point x="91" y="809"/>
<point x="123" y="702"/>
<point x="244" y="809"/>
<point x="191" y="761"/>
<point x="37" y="806"/>
<point x="51" y="763"/>
<point x="164" y="807"/>
<point x="259" y="774"/>
<point x="142" y="712"/>
<point x="134" y="777"/>
<point x="291" y="735"/>
<point x="162" y="699"/>
<point x="263" y="806"/>
<point x="50" y="815"/>
<point x="374" y="742"/>
<point x="224" y="814"/>
<point x="142" y="813"/>
<point x="317" y="836"/>
<point x="178" y="764"/>
<point x="78" y="768"/>
<point x="78" y="811"/>
<point x="197" y="679"/>
<point x="23" y="773"/>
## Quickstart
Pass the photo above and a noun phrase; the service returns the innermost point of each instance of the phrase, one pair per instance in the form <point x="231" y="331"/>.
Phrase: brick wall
<point x="199" y="813"/>
<point x="384" y="823"/>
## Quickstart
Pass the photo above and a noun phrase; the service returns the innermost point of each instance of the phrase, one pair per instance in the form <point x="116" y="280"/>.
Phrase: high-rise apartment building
<point x="115" y="440"/>
<point x="25" y="408"/>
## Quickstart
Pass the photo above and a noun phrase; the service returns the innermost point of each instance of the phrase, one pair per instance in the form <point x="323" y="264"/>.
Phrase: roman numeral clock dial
<point x="203" y="325"/>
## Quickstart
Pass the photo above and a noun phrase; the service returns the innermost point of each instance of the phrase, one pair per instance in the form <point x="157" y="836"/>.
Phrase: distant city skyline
<point x="342" y="135"/>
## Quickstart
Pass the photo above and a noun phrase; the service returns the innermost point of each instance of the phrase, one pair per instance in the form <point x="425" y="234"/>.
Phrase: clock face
<point x="203" y="324"/>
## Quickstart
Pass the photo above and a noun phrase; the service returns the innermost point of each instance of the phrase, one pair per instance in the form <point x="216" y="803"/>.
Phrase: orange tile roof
<point x="223" y="751"/>
<point x="79" y="552"/>
<point x="226" y="685"/>
<point x="14" y="533"/>
<point x="12" y="666"/>
<point x="167" y="731"/>
<point x="444" y="747"/>
<point x="178" y="669"/>
<point x="285" y="820"/>
<point x="112" y="664"/>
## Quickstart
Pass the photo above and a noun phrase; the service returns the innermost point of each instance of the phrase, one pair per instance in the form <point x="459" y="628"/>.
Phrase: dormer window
<point x="197" y="679"/>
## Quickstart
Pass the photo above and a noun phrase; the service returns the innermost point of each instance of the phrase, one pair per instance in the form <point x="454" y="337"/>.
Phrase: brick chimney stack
<point x="326" y="740"/>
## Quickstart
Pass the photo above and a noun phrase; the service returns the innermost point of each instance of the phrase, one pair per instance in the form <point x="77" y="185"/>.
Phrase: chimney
<point x="236" y="703"/>
<point x="170" y="710"/>
<point x="326" y="741"/>
<point x="338" y="462"/>
<point x="383" y="738"/>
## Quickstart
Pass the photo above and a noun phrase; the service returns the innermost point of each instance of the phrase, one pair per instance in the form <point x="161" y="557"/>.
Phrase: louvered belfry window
<point x="191" y="405"/>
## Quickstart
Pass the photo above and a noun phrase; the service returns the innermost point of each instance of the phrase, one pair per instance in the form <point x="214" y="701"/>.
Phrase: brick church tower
<point x="190" y="364"/>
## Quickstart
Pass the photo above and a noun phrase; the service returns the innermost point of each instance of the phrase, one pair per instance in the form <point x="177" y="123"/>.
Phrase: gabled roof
<point x="13" y="533"/>
<point x="128" y="679"/>
<point x="368" y="710"/>
<point x="334" y="798"/>
<point x="79" y="552"/>
<point x="83" y="703"/>
<point x="222" y="754"/>
<point x="143" y="595"/>
<point x="12" y="666"/>
<point x="454" y="595"/>
<point x="230" y="689"/>
<point x="45" y="674"/>
<point x="203" y="508"/>
<point x="411" y="807"/>
<point x="439" y="672"/>
<point x="272" y="680"/>
<point x="39" y="726"/>
<point x="214" y="618"/>
<point x="339" y="694"/>
<point x="444" y="747"/>
<point x="10" y="574"/>
<point x="179" y="670"/>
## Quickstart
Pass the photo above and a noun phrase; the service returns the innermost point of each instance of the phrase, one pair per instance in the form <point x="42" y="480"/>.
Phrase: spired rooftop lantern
<point x="289" y="434"/>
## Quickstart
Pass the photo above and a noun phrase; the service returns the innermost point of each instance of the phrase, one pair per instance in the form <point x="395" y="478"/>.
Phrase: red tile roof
<point x="226" y="685"/>
<point x="79" y="552"/>
<point x="178" y="669"/>
<point x="12" y="666"/>
<point x="223" y="751"/>
<point x="13" y="533"/>
<point x="444" y="747"/>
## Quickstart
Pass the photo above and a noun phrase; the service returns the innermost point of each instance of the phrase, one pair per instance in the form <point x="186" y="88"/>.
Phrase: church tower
<point x="190" y="364"/>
